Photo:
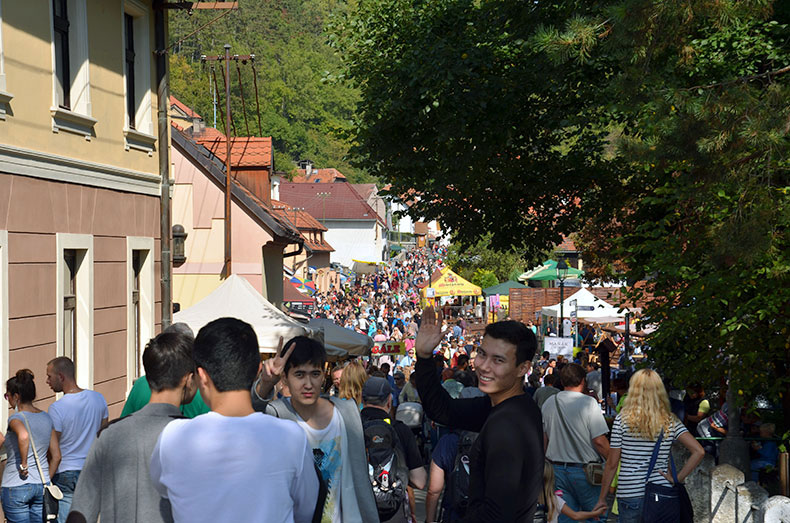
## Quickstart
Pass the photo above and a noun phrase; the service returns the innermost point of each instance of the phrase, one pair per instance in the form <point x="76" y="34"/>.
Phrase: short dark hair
<point x="462" y="359"/>
<point x="572" y="375"/>
<point x="550" y="379"/>
<point x="464" y="378"/>
<point x="227" y="349"/>
<point x="545" y="354"/>
<point x="518" y="334"/>
<point x="63" y="365"/>
<point x="307" y="350"/>
<point x="22" y="383"/>
<point x="385" y="368"/>
<point x="167" y="359"/>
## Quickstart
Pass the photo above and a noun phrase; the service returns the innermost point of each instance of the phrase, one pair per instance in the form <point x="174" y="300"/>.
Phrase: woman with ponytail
<point x="22" y="485"/>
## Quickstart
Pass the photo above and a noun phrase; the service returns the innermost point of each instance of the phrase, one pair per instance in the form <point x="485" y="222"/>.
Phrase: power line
<point x="243" y="105"/>
<point x="257" y="103"/>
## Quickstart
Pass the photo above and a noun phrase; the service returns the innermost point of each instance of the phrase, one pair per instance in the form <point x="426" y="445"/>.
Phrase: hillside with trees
<point x="302" y="106"/>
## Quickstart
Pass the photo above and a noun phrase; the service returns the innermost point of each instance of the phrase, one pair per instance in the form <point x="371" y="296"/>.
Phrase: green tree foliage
<point x="659" y="130"/>
<point x="307" y="113"/>
<point x="456" y="107"/>
<point x="484" y="278"/>
<point x="481" y="258"/>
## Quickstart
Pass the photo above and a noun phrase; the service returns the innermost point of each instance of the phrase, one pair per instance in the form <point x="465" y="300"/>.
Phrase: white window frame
<point x="147" y="299"/>
<point x="5" y="96"/>
<point x="78" y="118"/>
<point x="4" y="343"/>
<point x="84" y="293"/>
<point x="142" y="136"/>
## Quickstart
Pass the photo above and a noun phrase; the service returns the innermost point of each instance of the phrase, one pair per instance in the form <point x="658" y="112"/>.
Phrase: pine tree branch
<point x="768" y="74"/>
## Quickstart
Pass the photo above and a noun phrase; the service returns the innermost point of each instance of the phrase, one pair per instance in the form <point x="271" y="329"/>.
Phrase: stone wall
<point x="719" y="494"/>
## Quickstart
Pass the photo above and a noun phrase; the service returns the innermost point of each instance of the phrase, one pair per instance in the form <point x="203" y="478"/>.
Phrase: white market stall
<point x="237" y="298"/>
<point x="588" y="307"/>
<point x="340" y="338"/>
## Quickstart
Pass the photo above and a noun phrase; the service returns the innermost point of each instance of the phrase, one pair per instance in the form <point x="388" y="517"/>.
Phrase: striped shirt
<point x="635" y="456"/>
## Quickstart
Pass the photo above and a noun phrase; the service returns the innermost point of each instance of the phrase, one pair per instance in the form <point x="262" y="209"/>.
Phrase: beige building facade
<point x="79" y="191"/>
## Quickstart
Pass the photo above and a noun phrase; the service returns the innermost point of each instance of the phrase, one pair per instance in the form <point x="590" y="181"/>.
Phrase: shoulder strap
<point x="35" y="452"/>
<point x="567" y="430"/>
<point x="654" y="457"/>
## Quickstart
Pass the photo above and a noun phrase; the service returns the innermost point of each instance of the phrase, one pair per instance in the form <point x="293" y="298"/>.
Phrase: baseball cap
<point x="376" y="387"/>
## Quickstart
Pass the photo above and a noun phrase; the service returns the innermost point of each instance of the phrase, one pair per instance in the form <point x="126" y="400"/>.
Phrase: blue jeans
<point x="67" y="481"/>
<point x="23" y="504"/>
<point x="576" y="492"/>
<point x="630" y="510"/>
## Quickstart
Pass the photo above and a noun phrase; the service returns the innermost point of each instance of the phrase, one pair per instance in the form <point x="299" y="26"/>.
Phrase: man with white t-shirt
<point x="574" y="432"/>
<point x="77" y="418"/>
<point x="233" y="464"/>
<point x="332" y="425"/>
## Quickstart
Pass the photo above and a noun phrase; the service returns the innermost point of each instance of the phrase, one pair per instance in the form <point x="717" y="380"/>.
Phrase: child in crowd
<point x="767" y="451"/>
<point x="553" y="505"/>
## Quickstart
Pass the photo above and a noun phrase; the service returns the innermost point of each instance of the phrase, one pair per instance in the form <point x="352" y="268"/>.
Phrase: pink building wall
<point x="203" y="221"/>
<point x="32" y="211"/>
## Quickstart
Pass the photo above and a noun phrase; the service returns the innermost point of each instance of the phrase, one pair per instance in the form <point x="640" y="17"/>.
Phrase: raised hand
<point x="430" y="333"/>
<point x="273" y="367"/>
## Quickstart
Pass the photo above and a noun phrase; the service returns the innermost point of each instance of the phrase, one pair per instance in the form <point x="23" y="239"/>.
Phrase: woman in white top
<point x="634" y="435"/>
<point x="22" y="494"/>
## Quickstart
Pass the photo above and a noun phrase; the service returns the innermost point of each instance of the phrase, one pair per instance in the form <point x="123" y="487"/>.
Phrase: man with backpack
<point x="392" y="452"/>
<point x="450" y="468"/>
<point x="506" y="459"/>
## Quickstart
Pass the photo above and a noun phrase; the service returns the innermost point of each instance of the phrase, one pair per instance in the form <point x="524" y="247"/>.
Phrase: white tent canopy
<point x="237" y="298"/>
<point x="590" y="307"/>
<point x="339" y="337"/>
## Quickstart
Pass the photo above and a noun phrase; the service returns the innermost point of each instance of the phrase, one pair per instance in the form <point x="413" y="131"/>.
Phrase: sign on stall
<point x="430" y="292"/>
<point x="388" y="347"/>
<point x="557" y="346"/>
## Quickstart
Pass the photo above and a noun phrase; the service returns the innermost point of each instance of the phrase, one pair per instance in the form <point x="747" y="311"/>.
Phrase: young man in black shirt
<point x="506" y="460"/>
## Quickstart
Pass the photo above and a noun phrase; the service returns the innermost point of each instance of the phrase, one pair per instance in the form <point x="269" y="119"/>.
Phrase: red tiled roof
<point x="245" y="151"/>
<point x="183" y="107"/>
<point x="319" y="176"/>
<point x="364" y="189"/>
<point x="306" y="225"/>
<point x="299" y="217"/>
<point x="566" y="245"/>
<point x="342" y="202"/>
<point x="318" y="246"/>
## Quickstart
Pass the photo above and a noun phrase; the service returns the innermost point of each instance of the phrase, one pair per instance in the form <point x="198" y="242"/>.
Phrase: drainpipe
<point x="164" y="162"/>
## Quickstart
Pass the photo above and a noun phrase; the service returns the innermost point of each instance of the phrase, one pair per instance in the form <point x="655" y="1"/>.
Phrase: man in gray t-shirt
<point x="575" y="434"/>
<point x="115" y="482"/>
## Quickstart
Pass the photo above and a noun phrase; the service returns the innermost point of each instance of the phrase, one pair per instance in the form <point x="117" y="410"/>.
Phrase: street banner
<point x="388" y="347"/>
<point x="557" y="346"/>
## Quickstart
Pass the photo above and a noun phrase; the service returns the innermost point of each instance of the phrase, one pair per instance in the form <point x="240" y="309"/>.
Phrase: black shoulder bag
<point x="664" y="504"/>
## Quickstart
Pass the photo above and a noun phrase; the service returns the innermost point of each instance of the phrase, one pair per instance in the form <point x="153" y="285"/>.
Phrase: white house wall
<point x="353" y="239"/>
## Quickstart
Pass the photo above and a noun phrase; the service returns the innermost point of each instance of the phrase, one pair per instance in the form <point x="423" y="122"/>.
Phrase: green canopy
<point x="396" y="247"/>
<point x="502" y="288"/>
<point x="548" y="272"/>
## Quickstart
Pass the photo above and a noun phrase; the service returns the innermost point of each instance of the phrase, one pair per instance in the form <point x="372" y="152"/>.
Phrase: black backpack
<point x="386" y="466"/>
<point x="457" y="490"/>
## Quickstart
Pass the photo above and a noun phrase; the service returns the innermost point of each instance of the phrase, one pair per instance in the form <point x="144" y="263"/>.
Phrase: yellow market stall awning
<point x="448" y="283"/>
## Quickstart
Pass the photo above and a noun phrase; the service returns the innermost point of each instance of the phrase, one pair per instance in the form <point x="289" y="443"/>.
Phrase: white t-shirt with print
<point x="77" y="416"/>
<point x="230" y="469"/>
<point x="327" y="454"/>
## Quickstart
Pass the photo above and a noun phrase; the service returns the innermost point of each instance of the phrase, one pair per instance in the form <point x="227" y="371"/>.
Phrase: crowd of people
<point x="492" y="429"/>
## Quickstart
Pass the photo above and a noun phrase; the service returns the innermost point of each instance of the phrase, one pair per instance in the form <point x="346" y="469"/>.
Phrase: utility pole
<point x="227" y="269"/>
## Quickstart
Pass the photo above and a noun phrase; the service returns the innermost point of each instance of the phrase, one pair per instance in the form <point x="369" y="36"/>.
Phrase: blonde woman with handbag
<point x="30" y="434"/>
<point x="642" y="437"/>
